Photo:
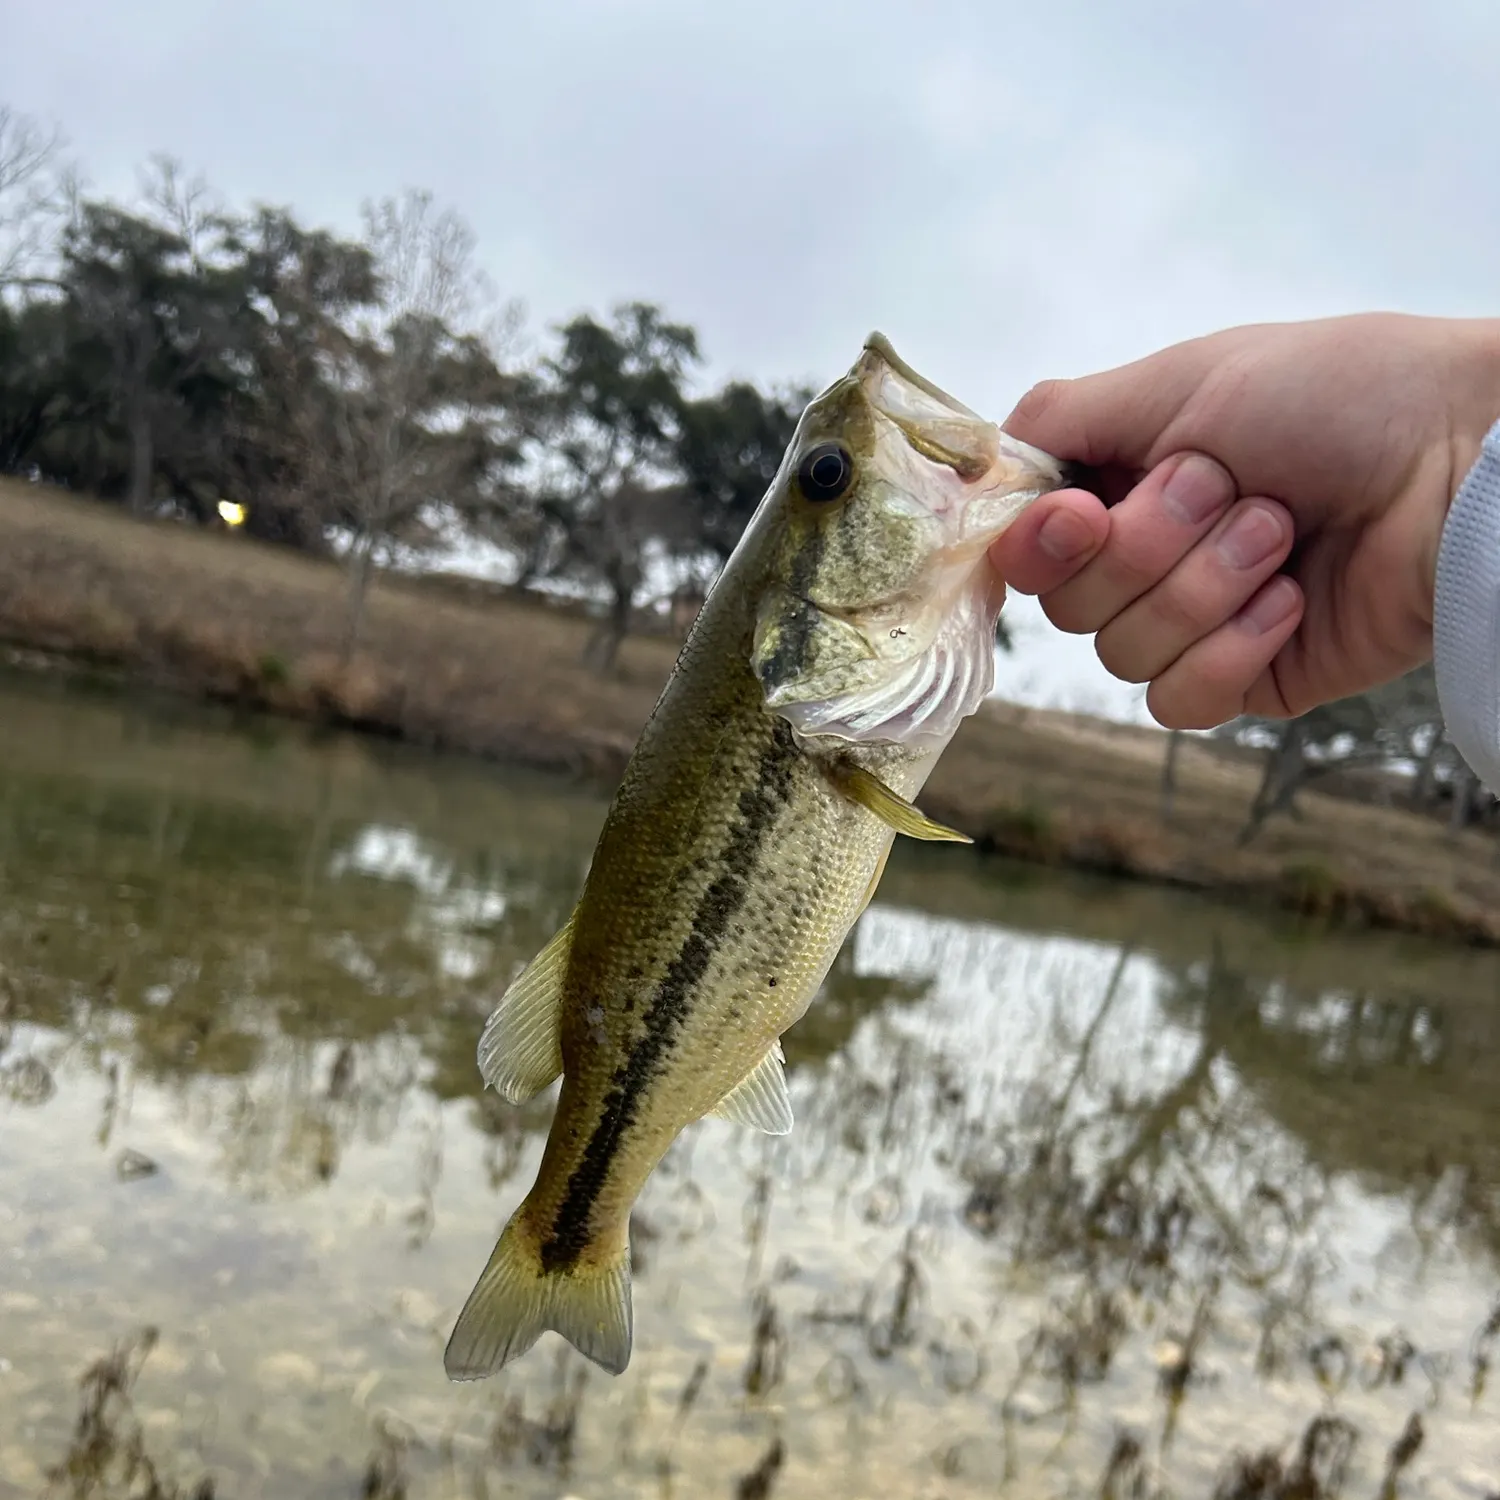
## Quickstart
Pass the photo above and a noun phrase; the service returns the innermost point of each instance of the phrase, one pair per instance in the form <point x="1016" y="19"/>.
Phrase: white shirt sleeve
<point x="1466" y="617"/>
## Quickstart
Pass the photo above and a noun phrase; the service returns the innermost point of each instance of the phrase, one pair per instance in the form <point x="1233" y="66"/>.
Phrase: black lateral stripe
<point x="670" y="1005"/>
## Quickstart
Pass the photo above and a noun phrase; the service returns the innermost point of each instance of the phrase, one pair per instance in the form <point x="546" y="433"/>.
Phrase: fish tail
<point x="516" y="1300"/>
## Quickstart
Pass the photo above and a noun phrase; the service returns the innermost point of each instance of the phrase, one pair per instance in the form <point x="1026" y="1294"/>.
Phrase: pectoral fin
<point x="520" y="1050"/>
<point x="760" y="1099"/>
<point x="890" y="807"/>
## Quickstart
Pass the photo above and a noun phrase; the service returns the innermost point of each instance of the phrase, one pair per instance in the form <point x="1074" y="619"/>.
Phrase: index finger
<point x="1050" y="541"/>
<point x="1116" y="417"/>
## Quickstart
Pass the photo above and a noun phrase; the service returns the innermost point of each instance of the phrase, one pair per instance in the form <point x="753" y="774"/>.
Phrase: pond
<point x="1094" y="1189"/>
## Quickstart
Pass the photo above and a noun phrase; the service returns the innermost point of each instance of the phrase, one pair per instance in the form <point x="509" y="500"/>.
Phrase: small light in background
<point x="231" y="514"/>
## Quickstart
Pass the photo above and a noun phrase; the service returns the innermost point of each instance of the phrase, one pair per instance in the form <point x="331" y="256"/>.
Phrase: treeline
<point x="179" y="356"/>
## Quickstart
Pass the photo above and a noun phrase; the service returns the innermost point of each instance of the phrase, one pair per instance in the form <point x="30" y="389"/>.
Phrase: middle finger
<point x="1150" y="531"/>
<point x="1215" y="579"/>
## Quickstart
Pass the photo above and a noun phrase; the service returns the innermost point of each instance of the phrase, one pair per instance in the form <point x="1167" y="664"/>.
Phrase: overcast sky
<point x="1008" y="190"/>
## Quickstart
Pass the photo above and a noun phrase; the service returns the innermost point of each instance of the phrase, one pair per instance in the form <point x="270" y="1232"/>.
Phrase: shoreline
<point x="86" y="588"/>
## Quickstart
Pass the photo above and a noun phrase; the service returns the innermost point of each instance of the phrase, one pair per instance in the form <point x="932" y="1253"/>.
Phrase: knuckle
<point x="1034" y="407"/>
<point x="1127" y="569"/>
<point x="1184" y="612"/>
<point x="1137" y="558"/>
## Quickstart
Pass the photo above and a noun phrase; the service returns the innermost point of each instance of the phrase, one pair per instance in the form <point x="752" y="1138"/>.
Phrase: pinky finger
<point x="1210" y="682"/>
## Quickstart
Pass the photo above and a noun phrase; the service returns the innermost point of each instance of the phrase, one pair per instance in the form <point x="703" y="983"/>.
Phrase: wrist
<point x="1474" y="398"/>
<point x="1458" y="374"/>
<point x="1466" y="591"/>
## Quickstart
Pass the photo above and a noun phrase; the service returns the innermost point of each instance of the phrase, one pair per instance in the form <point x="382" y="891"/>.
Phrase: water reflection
<point x="1092" y="1188"/>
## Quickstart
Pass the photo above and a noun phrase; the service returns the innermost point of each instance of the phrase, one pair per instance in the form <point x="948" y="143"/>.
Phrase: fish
<point x="846" y="638"/>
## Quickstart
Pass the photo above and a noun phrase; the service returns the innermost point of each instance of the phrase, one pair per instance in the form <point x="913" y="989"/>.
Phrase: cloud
<point x="1017" y="188"/>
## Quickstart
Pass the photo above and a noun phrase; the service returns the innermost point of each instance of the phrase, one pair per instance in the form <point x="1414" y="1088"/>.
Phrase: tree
<point x="1396" y="727"/>
<point x="606" y="425"/>
<point x="182" y="355"/>
<point x="305" y="288"/>
<point x="33" y="197"/>
<point x="35" y="391"/>
<point x="208" y="332"/>
<point x="729" y="447"/>
<point x="411" y="412"/>
<point x="119" y="272"/>
<point x="157" y="302"/>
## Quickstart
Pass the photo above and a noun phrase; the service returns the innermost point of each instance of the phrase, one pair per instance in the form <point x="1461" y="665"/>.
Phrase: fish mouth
<point x="885" y="373"/>
<point x="993" y="466"/>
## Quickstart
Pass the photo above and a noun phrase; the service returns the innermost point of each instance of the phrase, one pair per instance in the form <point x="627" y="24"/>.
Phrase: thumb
<point x="1116" y="417"/>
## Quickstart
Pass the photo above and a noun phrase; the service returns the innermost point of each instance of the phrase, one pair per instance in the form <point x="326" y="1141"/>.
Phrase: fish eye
<point x="826" y="472"/>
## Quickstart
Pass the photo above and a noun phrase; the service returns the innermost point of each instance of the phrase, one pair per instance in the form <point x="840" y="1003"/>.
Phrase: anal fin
<point x="871" y="793"/>
<point x="520" y="1049"/>
<point x="760" y="1099"/>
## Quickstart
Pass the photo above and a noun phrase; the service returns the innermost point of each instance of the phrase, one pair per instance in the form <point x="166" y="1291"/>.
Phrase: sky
<point x="1009" y="190"/>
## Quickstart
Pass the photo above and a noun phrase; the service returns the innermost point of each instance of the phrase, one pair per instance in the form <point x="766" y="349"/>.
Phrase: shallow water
<point x="1093" y="1190"/>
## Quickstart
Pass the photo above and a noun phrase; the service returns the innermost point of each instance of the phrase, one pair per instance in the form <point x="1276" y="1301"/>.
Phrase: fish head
<point x="877" y="618"/>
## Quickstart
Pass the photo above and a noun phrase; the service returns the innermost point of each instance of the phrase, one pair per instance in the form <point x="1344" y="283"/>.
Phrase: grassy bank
<point x="222" y="616"/>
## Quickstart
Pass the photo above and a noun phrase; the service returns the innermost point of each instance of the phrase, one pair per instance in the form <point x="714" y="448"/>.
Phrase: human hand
<point x="1281" y="491"/>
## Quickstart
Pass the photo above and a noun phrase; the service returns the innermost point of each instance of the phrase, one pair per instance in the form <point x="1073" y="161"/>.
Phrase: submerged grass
<point x="108" y="1456"/>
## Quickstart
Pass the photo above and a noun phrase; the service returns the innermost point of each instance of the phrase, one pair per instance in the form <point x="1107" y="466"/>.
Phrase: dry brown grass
<point x="498" y="676"/>
<point x="227" y="616"/>
<point x="1031" y="784"/>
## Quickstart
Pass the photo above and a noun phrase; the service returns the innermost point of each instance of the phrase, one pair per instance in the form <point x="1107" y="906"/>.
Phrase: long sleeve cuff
<point x="1466" y="616"/>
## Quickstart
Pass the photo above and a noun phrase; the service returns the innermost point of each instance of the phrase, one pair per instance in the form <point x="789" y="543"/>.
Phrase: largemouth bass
<point x="848" y="635"/>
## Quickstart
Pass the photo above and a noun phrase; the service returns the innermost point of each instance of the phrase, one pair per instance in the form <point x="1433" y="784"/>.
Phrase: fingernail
<point x="1269" y="607"/>
<point x="1251" y="537"/>
<point x="1198" y="487"/>
<point x="1064" y="536"/>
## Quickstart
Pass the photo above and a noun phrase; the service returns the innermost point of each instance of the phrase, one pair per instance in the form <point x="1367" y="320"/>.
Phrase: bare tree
<point x="188" y="209"/>
<point x="1394" y="730"/>
<point x="34" y="193"/>
<point x="415" y="396"/>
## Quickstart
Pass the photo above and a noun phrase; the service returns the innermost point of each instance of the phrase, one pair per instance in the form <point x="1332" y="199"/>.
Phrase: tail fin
<point x="516" y="1301"/>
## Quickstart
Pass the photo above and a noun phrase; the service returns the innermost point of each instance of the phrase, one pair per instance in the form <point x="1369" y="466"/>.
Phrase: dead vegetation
<point x="107" y="1456"/>
<point x="479" y="671"/>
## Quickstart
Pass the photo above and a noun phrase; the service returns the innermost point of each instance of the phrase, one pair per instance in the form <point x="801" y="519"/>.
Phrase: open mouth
<point x="945" y="431"/>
